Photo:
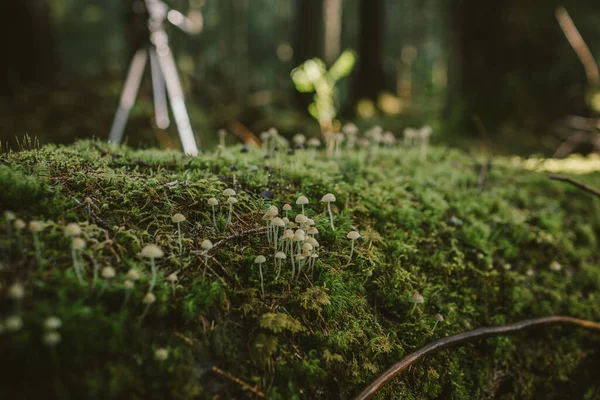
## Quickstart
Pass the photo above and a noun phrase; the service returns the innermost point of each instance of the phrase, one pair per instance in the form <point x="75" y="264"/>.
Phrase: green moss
<point x="523" y="247"/>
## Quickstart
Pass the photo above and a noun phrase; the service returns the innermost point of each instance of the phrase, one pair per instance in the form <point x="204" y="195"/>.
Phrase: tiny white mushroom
<point x="302" y="200"/>
<point x="353" y="236"/>
<point x="13" y="323"/>
<point x="279" y="258"/>
<point x="260" y="260"/>
<point x="229" y="192"/>
<point x="72" y="229"/>
<point x="213" y="203"/>
<point x="286" y="207"/>
<point x="231" y="201"/>
<point x="19" y="224"/>
<point x="178" y="219"/>
<point x="173" y="279"/>
<point x="35" y="227"/>
<point x="77" y="245"/>
<point x="51" y="338"/>
<point x="161" y="354"/>
<point x="329" y="198"/>
<point x="152" y="252"/>
<point x="52" y="323"/>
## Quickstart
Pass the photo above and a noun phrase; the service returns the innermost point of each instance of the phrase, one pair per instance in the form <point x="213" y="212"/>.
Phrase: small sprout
<point x="329" y="198"/>
<point x="353" y="236"/>
<point x="260" y="260"/>
<point x="213" y="203"/>
<point x="152" y="252"/>
<point x="416" y="298"/>
<point x="161" y="355"/>
<point x="279" y="258"/>
<point x="51" y="338"/>
<point x="77" y="246"/>
<point x="302" y="200"/>
<point x="72" y="229"/>
<point x="231" y="201"/>
<point x="52" y="323"/>
<point x="287" y="207"/>
<point x="35" y="227"/>
<point x="178" y="219"/>
<point x="13" y="323"/>
<point x="173" y="279"/>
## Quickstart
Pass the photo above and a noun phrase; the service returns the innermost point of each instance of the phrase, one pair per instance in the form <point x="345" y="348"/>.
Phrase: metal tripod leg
<point x="175" y="92"/>
<point x="132" y="85"/>
<point x="160" y="95"/>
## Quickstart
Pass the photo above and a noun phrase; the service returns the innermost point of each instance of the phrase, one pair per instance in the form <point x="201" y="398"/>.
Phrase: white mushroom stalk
<point x="148" y="299"/>
<point x="277" y="223"/>
<point x="329" y="198"/>
<point x="231" y="201"/>
<point x="152" y="252"/>
<point x="178" y="219"/>
<point x="213" y="203"/>
<point x="206" y="246"/>
<point x="279" y="259"/>
<point x="35" y="227"/>
<point x="353" y="236"/>
<point x="173" y="279"/>
<point x="260" y="260"/>
<point x="77" y="246"/>
<point x="108" y="273"/>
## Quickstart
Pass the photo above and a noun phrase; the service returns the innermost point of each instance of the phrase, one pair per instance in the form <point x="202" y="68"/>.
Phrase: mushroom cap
<point x="16" y="291"/>
<point x="353" y="235"/>
<point x="310" y="222"/>
<point x="278" y="222"/>
<point x="128" y="284"/>
<point x="19" y="224"/>
<point x="272" y="210"/>
<point x="133" y="274"/>
<point x="51" y="338"/>
<point x="172" y="277"/>
<point x="280" y="255"/>
<point x="231" y="200"/>
<point x="72" y="229"/>
<point x="161" y="354"/>
<point x="229" y="192"/>
<point x="52" y="323"/>
<point x="35" y="226"/>
<point x="206" y="244"/>
<point x="87" y="200"/>
<point x="267" y="217"/>
<point x="78" y="244"/>
<point x="290" y="224"/>
<point x="312" y="230"/>
<point x="438" y="317"/>
<point x="260" y="259"/>
<point x="307" y="248"/>
<point x="287" y="207"/>
<point x="9" y="215"/>
<point x="350" y="129"/>
<point x="13" y="323"/>
<point x="213" y="202"/>
<point x="328" y="198"/>
<point x="299" y="138"/>
<point x="313" y="142"/>
<point x="108" y="272"/>
<point x="417" y="298"/>
<point x="299" y="256"/>
<point x="302" y="200"/>
<point x="152" y="251"/>
<point x="149" y="298"/>
<point x="177" y="218"/>
<point x="298" y="236"/>
<point x="313" y="241"/>
<point x="301" y="219"/>
<point x="288" y="234"/>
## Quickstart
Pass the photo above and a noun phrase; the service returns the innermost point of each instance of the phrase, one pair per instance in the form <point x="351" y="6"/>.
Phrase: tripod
<point x="165" y="80"/>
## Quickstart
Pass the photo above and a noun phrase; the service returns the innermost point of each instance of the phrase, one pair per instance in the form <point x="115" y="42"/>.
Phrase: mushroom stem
<point x="96" y="268"/>
<point x="214" y="218"/>
<point x="262" y="287"/>
<point x="330" y="215"/>
<point x="278" y="266"/>
<point x="303" y="209"/>
<point x="229" y="217"/>
<point x="351" y="249"/>
<point x="75" y="258"/>
<point x="154" y="273"/>
<point x="38" y="250"/>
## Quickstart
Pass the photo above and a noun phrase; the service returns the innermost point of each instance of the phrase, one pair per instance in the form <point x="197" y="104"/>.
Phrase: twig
<point x="237" y="235"/>
<point x="238" y="381"/>
<point x="586" y="188"/>
<point x="483" y="172"/>
<point x="578" y="44"/>
<point x="463" y="337"/>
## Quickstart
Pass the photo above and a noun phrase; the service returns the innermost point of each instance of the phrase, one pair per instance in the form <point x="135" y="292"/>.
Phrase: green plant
<point x="313" y="76"/>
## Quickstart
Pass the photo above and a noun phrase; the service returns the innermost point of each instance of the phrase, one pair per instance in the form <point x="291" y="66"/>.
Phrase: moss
<point x="523" y="247"/>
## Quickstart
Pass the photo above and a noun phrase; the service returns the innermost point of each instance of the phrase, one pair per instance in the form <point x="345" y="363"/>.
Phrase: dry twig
<point x="440" y="344"/>
<point x="586" y="188"/>
<point x="238" y="381"/>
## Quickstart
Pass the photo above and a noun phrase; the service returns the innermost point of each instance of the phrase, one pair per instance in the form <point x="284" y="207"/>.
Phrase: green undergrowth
<point x="522" y="247"/>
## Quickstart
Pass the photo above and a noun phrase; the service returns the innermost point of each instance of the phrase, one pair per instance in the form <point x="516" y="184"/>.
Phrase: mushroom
<point x="353" y="236"/>
<point x="279" y="258"/>
<point x="172" y="278"/>
<point x="287" y="207"/>
<point x="161" y="355"/>
<point x="231" y="201"/>
<point x="88" y="203"/>
<point x="206" y="246"/>
<point x="72" y="229"/>
<point x="52" y="323"/>
<point x="178" y="219"/>
<point x="77" y="246"/>
<point x="260" y="260"/>
<point x="108" y="273"/>
<point x="51" y="338"/>
<point x="302" y="200"/>
<point x="329" y="198"/>
<point x="229" y="192"/>
<point x="437" y="318"/>
<point x="13" y="323"/>
<point x="148" y="299"/>
<point x="213" y="203"/>
<point x="277" y="223"/>
<point x="36" y="227"/>
<point x="416" y="298"/>
<point x="16" y="292"/>
<point x="152" y="252"/>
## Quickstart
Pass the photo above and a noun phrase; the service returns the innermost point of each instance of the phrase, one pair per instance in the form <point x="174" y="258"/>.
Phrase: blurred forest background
<point x="500" y="73"/>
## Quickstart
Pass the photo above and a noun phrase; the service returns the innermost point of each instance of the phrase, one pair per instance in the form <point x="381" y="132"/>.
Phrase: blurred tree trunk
<point x="29" y="53"/>
<point x="370" y="78"/>
<point x="308" y="35"/>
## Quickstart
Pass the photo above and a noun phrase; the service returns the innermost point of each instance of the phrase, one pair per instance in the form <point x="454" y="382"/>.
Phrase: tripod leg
<point x="160" y="96"/>
<point x="175" y="92"/>
<point x="130" y="90"/>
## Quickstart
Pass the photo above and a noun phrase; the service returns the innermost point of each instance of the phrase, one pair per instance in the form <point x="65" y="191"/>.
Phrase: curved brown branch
<point x="556" y="177"/>
<point x="578" y="44"/>
<point x="463" y="337"/>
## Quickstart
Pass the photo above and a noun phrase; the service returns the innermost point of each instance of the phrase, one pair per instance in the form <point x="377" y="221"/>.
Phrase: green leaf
<point x="342" y="66"/>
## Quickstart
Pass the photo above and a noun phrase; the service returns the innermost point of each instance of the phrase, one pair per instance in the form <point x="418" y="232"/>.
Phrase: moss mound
<point x="523" y="247"/>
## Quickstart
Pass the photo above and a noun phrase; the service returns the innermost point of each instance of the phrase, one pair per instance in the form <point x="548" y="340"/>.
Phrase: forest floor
<point x="479" y="249"/>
